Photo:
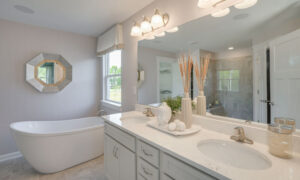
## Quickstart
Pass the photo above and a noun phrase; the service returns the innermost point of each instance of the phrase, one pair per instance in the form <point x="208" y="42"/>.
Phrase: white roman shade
<point x="110" y="40"/>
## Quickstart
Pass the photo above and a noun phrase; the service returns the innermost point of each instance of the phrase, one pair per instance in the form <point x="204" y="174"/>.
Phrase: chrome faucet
<point x="241" y="136"/>
<point x="148" y="112"/>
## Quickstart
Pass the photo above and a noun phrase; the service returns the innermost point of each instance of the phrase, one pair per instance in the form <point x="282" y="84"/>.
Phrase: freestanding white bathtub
<point x="52" y="146"/>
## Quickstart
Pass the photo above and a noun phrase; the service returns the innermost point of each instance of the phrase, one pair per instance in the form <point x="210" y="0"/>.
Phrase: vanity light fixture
<point x="206" y="3"/>
<point x="146" y="26"/>
<point x="221" y="13"/>
<point x="175" y="29"/>
<point x="245" y="4"/>
<point x="241" y="4"/>
<point x="136" y="30"/>
<point x="158" y="20"/>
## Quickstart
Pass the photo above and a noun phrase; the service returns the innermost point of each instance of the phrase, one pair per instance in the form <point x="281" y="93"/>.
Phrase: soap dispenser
<point x="164" y="114"/>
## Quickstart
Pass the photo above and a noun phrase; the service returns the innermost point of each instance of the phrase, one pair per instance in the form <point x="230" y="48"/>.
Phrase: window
<point x="229" y="80"/>
<point x="112" y="77"/>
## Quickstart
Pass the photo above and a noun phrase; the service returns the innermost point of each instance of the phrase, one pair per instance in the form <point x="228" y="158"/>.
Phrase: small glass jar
<point x="280" y="140"/>
<point x="280" y="121"/>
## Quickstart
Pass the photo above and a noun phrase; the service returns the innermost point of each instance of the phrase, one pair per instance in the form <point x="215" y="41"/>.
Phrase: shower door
<point x="169" y="80"/>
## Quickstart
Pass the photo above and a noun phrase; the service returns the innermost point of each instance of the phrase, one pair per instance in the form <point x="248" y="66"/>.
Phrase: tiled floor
<point x="19" y="169"/>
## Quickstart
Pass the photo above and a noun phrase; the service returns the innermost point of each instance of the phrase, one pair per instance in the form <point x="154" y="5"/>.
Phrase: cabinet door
<point x="111" y="161"/>
<point x="127" y="163"/>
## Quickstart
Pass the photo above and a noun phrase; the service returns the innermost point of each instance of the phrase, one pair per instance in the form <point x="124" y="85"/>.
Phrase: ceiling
<point x="217" y="34"/>
<point x="88" y="17"/>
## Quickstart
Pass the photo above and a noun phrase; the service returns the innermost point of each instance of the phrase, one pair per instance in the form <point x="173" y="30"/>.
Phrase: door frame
<point x="279" y="40"/>
<point x="158" y="60"/>
<point x="259" y="81"/>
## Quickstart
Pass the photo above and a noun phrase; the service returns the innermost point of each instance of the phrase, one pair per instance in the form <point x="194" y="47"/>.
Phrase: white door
<point x="259" y="86"/>
<point x="111" y="162"/>
<point x="165" y="73"/>
<point x="285" y="76"/>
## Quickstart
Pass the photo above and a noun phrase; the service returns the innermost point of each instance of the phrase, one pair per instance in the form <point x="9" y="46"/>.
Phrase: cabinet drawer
<point x="148" y="153"/>
<point x="147" y="171"/>
<point x="122" y="137"/>
<point x="177" y="169"/>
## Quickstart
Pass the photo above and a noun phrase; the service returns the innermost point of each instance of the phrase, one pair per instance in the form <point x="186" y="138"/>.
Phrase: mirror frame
<point x="32" y="67"/>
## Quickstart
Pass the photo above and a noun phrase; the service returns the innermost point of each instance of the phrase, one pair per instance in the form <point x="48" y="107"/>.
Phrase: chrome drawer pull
<point x="145" y="152"/>
<point x="117" y="149"/>
<point x="146" y="172"/>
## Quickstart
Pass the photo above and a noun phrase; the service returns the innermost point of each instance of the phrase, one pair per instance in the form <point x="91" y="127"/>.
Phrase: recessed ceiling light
<point x="175" y="29"/>
<point x="231" y="48"/>
<point x="245" y="4"/>
<point x="24" y="9"/>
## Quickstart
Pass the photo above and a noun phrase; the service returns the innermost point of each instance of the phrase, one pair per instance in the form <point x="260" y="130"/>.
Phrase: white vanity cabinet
<point x="119" y="160"/>
<point x="126" y="157"/>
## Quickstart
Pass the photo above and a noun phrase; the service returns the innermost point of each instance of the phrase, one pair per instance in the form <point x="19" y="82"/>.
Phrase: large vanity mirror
<point x="254" y="71"/>
<point x="48" y="72"/>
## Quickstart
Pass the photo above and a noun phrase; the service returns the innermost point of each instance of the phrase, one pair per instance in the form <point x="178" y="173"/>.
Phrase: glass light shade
<point x="205" y="3"/>
<point x="221" y="13"/>
<point x="157" y="20"/>
<point x="150" y="38"/>
<point x="136" y="31"/>
<point x="245" y="4"/>
<point x="161" y="34"/>
<point x="175" y="29"/>
<point x="146" y="26"/>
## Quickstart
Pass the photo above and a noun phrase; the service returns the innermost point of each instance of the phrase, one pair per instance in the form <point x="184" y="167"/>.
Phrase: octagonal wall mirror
<point x="48" y="73"/>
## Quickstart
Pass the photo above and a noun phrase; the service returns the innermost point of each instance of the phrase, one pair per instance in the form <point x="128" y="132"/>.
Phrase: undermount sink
<point x="234" y="154"/>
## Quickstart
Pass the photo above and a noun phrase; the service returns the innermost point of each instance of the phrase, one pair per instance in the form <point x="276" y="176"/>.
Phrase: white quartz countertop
<point x="185" y="149"/>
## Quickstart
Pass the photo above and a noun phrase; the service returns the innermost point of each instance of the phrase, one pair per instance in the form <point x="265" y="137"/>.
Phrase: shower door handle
<point x="267" y="102"/>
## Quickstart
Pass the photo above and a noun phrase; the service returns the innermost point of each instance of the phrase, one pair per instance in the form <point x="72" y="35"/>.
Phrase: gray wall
<point x="147" y="92"/>
<point x="236" y="104"/>
<point x="21" y="102"/>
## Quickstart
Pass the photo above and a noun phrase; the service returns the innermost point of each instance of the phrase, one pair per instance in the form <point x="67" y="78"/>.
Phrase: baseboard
<point x="9" y="156"/>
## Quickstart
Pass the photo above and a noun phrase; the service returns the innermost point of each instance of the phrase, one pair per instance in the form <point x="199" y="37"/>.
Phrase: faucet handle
<point x="148" y="112"/>
<point x="240" y="130"/>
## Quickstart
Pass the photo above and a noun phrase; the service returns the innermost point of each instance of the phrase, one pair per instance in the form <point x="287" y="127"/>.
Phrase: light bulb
<point x="221" y="13"/>
<point x="162" y="34"/>
<point x="157" y="20"/>
<point x="150" y="38"/>
<point x="136" y="30"/>
<point x="175" y="29"/>
<point x="245" y="4"/>
<point x="206" y="3"/>
<point x="146" y="26"/>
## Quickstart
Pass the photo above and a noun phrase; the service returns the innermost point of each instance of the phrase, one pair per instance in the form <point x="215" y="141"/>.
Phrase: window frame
<point x="106" y="76"/>
<point x="229" y="80"/>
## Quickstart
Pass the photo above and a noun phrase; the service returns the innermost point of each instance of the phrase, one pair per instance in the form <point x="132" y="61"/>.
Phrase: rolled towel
<point x="180" y="126"/>
<point x="172" y="126"/>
